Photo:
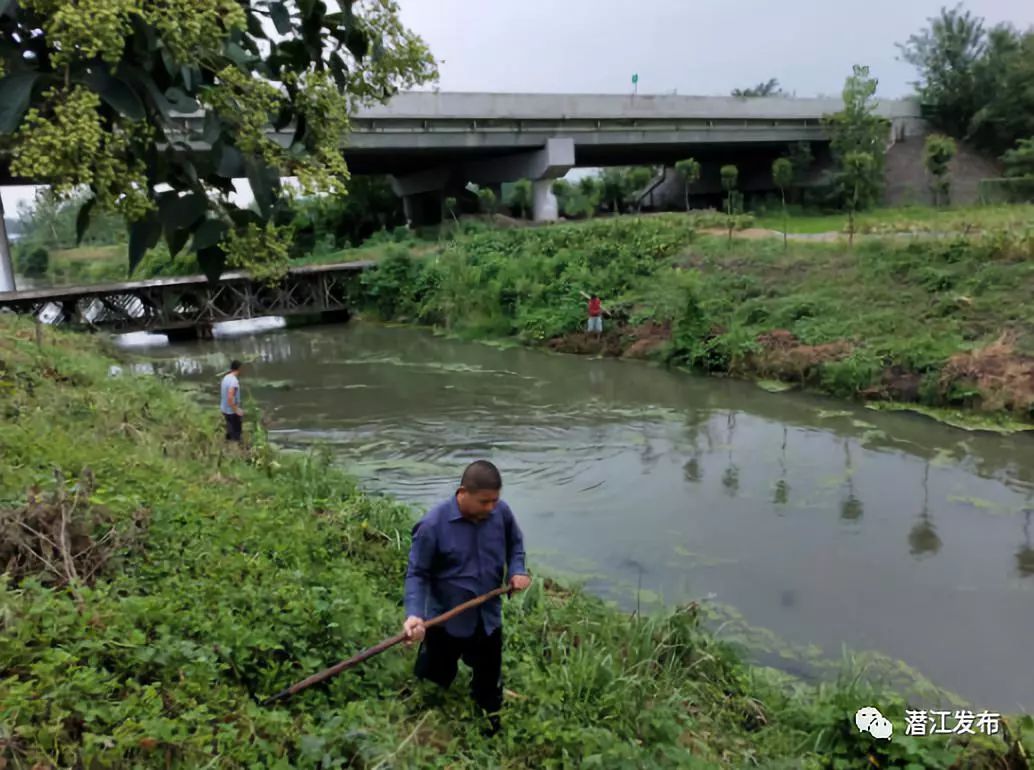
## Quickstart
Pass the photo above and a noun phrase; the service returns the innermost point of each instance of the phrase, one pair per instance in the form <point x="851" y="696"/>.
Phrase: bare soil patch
<point x="783" y="356"/>
<point x="896" y="384"/>
<point x="1004" y="377"/>
<point x="619" y="340"/>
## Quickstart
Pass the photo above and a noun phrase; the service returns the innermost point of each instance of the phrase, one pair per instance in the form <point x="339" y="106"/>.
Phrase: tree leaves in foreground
<point x="94" y="93"/>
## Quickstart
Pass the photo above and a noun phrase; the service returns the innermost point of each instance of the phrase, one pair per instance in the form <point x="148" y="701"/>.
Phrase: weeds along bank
<point x="942" y="321"/>
<point x="156" y="587"/>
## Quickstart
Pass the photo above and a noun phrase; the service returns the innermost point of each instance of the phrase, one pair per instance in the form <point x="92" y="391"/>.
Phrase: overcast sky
<point x="689" y="46"/>
<point x="695" y="46"/>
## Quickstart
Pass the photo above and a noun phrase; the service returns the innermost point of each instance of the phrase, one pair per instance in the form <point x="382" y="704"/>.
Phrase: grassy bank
<point x="939" y="322"/>
<point x="906" y="219"/>
<point x="158" y="584"/>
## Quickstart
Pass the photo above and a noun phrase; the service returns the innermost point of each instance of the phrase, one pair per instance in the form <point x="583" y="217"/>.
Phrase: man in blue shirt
<point x="460" y="549"/>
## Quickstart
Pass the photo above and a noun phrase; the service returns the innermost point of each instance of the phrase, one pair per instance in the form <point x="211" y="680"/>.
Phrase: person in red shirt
<point x="595" y="315"/>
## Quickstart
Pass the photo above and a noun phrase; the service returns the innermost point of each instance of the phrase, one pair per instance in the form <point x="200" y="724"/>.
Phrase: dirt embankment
<point x="619" y="341"/>
<point x="784" y="357"/>
<point x="781" y="355"/>
<point x="996" y="377"/>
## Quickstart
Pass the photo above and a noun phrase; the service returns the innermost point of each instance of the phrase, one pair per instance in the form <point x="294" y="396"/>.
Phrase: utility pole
<point x="6" y="267"/>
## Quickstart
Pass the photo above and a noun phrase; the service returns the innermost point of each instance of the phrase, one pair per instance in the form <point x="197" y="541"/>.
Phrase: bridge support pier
<point x="6" y="266"/>
<point x="544" y="206"/>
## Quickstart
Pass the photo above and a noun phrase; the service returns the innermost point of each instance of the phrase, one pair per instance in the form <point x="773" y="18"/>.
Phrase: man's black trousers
<point x="233" y="427"/>
<point x="440" y="652"/>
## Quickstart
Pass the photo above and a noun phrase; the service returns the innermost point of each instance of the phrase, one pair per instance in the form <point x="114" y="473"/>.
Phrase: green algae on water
<point x="980" y="504"/>
<point x="829" y="414"/>
<point x="993" y="423"/>
<point x="270" y="384"/>
<point x="774" y="386"/>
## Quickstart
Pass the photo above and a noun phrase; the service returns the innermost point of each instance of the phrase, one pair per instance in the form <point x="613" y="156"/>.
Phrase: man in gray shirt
<point x="230" y="401"/>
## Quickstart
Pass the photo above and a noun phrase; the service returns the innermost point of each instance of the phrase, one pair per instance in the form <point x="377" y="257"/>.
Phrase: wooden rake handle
<point x="337" y="668"/>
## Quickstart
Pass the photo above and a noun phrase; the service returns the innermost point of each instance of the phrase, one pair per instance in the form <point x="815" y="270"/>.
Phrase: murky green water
<point x="826" y="523"/>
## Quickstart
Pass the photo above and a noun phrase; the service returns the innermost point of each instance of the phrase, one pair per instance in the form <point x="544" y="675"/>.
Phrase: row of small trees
<point x="858" y="143"/>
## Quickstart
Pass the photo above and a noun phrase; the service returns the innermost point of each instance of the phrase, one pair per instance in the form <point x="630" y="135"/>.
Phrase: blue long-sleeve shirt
<point x="453" y="560"/>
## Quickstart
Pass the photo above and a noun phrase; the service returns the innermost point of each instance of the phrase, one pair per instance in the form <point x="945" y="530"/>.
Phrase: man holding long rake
<point x="460" y="550"/>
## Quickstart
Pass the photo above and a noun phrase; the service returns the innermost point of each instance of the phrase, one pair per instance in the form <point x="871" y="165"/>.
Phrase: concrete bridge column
<point x="6" y="266"/>
<point x="408" y="208"/>
<point x="544" y="206"/>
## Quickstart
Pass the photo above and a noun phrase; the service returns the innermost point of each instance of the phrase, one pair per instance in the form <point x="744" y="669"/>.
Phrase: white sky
<point x="704" y="47"/>
<point x="689" y="46"/>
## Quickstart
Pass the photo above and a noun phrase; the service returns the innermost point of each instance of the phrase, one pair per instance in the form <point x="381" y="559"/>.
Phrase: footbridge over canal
<point x="189" y="306"/>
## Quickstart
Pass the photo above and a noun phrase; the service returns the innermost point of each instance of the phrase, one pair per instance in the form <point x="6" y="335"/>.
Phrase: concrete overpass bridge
<point x="433" y="143"/>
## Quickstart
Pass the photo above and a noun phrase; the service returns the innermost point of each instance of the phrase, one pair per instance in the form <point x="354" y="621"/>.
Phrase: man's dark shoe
<point x="492" y="727"/>
<point x="433" y="697"/>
